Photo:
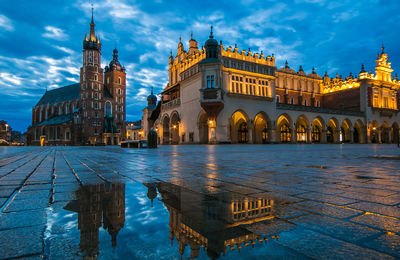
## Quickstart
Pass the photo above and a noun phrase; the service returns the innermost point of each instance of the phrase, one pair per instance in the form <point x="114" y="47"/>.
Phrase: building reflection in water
<point x="215" y="222"/>
<point x="98" y="205"/>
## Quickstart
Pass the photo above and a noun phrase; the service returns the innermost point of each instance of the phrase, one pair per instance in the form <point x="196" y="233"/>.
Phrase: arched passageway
<point x="203" y="127"/>
<point x="261" y="129"/>
<point x="284" y="128"/>
<point x="175" y="128"/>
<point x="239" y="127"/>
<point x="316" y="130"/>
<point x="395" y="133"/>
<point x="165" y="124"/>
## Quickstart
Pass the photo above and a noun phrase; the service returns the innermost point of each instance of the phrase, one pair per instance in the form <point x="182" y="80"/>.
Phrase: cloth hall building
<point x="89" y="112"/>
<point x="223" y="95"/>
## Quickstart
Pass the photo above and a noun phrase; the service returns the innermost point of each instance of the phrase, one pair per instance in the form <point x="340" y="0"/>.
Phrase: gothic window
<point x="316" y="134"/>
<point x="108" y="109"/>
<point x="301" y="134"/>
<point x="243" y="133"/>
<point x="285" y="134"/>
<point x="95" y="77"/>
<point x="119" y="80"/>
<point x="90" y="57"/>
<point x="210" y="81"/>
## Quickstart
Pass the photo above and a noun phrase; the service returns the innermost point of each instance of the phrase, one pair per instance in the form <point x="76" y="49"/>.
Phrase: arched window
<point x="243" y="133"/>
<point x="301" y="134"/>
<point x="305" y="102"/>
<point x="316" y="134"/>
<point x="285" y="134"/>
<point x="119" y="80"/>
<point x="292" y="101"/>
<point x="95" y="77"/>
<point x="278" y="99"/>
<point x="108" y="109"/>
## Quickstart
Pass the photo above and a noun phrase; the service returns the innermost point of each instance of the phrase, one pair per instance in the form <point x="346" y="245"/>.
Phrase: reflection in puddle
<point x="215" y="224"/>
<point x="98" y="205"/>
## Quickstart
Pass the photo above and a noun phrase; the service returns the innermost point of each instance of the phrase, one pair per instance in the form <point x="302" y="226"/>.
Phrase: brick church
<point x="89" y="112"/>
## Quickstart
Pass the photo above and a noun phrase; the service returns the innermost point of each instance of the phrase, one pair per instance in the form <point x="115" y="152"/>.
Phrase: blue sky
<point x="41" y="41"/>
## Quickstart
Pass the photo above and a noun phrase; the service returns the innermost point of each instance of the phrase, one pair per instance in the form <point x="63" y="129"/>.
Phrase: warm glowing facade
<point x="223" y="95"/>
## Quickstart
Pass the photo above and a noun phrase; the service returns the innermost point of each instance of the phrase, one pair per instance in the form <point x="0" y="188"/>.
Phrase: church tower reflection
<point x="216" y="222"/>
<point x="98" y="205"/>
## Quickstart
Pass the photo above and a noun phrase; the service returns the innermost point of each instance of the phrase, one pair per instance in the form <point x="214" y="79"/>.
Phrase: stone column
<point x="323" y="136"/>
<point x="379" y="132"/>
<point x="292" y="135"/>
<point x="250" y="134"/>
<point x="352" y="136"/>
<point x="309" y="141"/>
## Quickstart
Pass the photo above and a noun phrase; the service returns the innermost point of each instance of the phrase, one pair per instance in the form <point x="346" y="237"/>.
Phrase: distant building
<point x="5" y="131"/>
<point x="134" y="130"/>
<point x="89" y="112"/>
<point x="223" y="95"/>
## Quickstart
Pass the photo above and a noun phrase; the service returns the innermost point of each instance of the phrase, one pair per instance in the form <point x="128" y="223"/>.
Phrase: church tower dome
<point x="151" y="100"/>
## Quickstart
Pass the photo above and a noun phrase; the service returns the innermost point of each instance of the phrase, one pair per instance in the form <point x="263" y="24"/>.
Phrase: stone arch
<point x="165" y="128"/>
<point x="284" y="128"/>
<point x="395" y="133"/>
<point x="332" y="130"/>
<point x="374" y="132"/>
<point x="317" y="127"/>
<point x="202" y="124"/>
<point x="175" y="121"/>
<point x="385" y="133"/>
<point x="358" y="132"/>
<point x="261" y="128"/>
<point x="345" y="134"/>
<point x="239" y="127"/>
<point x="302" y="129"/>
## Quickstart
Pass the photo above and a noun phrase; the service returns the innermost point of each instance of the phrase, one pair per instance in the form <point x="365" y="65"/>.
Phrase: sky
<point x="41" y="40"/>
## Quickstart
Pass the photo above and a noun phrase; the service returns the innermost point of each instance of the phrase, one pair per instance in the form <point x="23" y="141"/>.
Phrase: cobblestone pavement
<point x="228" y="201"/>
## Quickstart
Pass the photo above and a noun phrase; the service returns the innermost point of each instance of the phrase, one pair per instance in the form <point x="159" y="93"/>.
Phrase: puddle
<point x="159" y="220"/>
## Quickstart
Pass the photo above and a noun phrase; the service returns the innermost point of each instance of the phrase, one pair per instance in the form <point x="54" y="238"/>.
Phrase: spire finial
<point x="191" y="35"/>
<point x="92" y="13"/>
<point x="362" y="68"/>
<point x="383" y="49"/>
<point x="152" y="90"/>
<point x="170" y="52"/>
<point x="180" y="39"/>
<point x="211" y="32"/>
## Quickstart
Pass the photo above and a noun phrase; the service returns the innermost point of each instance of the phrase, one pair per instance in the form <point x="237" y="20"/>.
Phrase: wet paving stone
<point x="201" y="202"/>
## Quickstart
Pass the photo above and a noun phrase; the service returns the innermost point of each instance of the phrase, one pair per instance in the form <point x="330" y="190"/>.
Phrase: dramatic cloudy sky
<point x="41" y="40"/>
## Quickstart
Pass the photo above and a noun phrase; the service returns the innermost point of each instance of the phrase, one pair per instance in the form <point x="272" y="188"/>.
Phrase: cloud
<point x="55" y="33"/>
<point x="5" y="23"/>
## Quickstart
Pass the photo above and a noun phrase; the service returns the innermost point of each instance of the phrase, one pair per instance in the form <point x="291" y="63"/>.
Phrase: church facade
<point x="223" y="95"/>
<point x="89" y="112"/>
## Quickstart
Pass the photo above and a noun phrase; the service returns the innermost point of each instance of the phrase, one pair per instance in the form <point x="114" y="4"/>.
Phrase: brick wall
<point x="345" y="100"/>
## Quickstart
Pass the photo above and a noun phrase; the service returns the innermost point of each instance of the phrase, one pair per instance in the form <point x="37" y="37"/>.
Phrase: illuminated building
<point x="89" y="112"/>
<point x="223" y="95"/>
<point x="217" y="223"/>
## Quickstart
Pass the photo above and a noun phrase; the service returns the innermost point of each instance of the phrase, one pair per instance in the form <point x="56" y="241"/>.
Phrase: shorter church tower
<point x="115" y="98"/>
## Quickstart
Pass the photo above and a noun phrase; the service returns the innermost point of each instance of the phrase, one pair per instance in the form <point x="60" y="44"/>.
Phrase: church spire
<point x="92" y="36"/>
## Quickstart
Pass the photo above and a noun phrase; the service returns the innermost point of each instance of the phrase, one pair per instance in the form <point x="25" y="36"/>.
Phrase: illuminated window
<point x="285" y="134"/>
<point x="301" y="134"/>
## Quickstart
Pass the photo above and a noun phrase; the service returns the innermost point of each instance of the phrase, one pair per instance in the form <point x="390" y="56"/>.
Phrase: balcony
<point x="171" y="104"/>
<point x="211" y="100"/>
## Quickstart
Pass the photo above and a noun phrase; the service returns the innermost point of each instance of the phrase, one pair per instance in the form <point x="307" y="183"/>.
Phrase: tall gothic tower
<point x="91" y="88"/>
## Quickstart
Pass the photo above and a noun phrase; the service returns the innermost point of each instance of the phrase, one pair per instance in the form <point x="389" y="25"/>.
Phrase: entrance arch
<point x="175" y="120"/>
<point x="316" y="130"/>
<point x="358" y="132"/>
<point x="239" y="127"/>
<point x="332" y="131"/>
<point x="302" y="125"/>
<point x="165" y="124"/>
<point x="284" y="126"/>
<point x="374" y="135"/>
<point x="261" y="133"/>
<point x="385" y="133"/>
<point x="345" y="131"/>
<point x="203" y="127"/>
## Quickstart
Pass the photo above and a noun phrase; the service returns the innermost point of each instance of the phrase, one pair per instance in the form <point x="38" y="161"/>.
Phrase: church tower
<point x="91" y="88"/>
<point x="115" y="89"/>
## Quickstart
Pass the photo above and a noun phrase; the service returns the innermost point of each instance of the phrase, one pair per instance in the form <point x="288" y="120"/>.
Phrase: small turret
<point x="151" y="100"/>
<point x="193" y="47"/>
<point x="211" y="47"/>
